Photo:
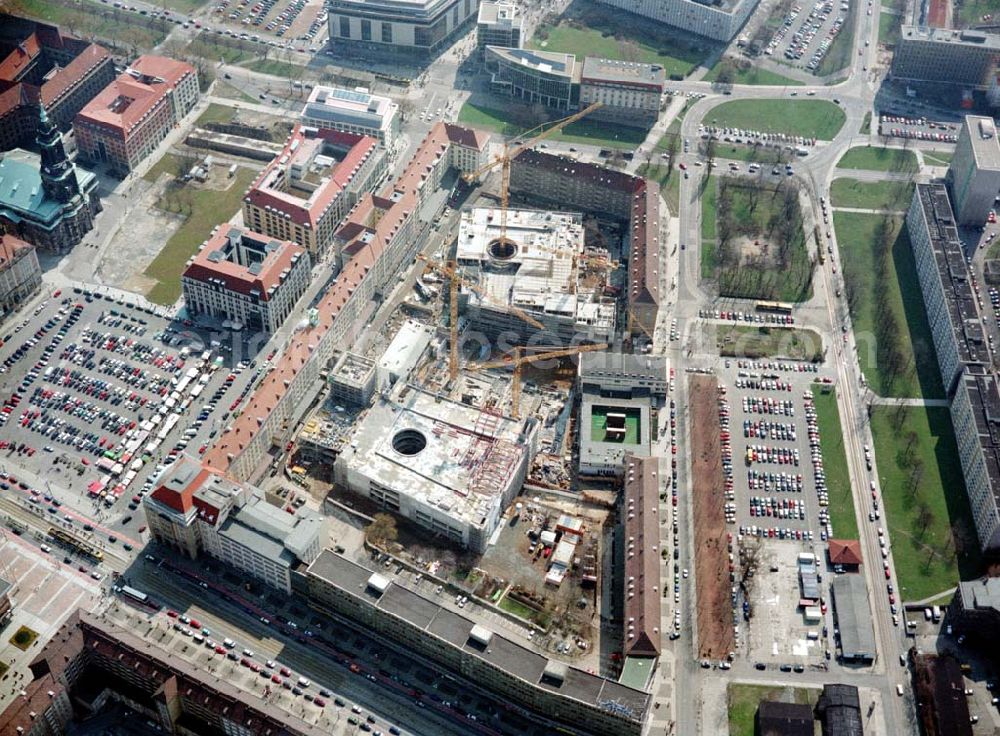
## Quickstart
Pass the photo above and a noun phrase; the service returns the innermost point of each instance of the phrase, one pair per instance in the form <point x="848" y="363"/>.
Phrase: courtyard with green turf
<point x="818" y="119"/>
<point x="621" y="417"/>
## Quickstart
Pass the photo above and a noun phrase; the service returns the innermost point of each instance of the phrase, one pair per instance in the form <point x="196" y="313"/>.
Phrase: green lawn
<point x="808" y="118"/>
<point x="225" y="89"/>
<point x="23" y="638"/>
<point x="871" y="195"/>
<point x="669" y="181"/>
<point x="900" y="294"/>
<point x="866" y="124"/>
<point x="749" y="75"/>
<point x="210" y="46"/>
<point x="764" y="155"/>
<point x="879" y="159"/>
<point x="938" y="158"/>
<point x="838" y="480"/>
<point x="599" y="425"/>
<point x="838" y="56"/>
<point x="709" y="199"/>
<point x="589" y="132"/>
<point x="277" y="68"/>
<point x="168" y="164"/>
<point x="924" y="504"/>
<point x="745" y="341"/>
<point x="888" y="28"/>
<point x="216" y="113"/>
<point x="971" y="12"/>
<point x="208" y="207"/>
<point x="117" y="28"/>
<point x="674" y="130"/>
<point x="610" y="35"/>
<point x="744" y="700"/>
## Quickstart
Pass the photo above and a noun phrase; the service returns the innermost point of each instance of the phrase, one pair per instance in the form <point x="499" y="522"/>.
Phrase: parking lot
<point x="99" y="395"/>
<point x="807" y="32"/>
<point x="917" y="128"/>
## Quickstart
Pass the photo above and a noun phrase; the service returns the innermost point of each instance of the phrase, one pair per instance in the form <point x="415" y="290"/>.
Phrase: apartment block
<point x="719" y="21"/>
<point x="20" y="273"/>
<point x="944" y="56"/>
<point x="974" y="174"/>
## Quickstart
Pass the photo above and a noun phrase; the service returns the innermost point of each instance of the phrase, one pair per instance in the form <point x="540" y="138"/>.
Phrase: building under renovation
<point x="539" y="267"/>
<point x="446" y="466"/>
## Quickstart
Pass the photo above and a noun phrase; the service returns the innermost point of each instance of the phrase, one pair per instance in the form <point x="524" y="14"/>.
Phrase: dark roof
<point x="839" y="709"/>
<point x="775" y="718"/>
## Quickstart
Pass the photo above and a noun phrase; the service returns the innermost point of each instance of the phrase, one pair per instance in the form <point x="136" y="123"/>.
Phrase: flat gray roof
<point x="982" y="132"/>
<point x="850" y="601"/>
<point x="255" y="541"/>
<point x="978" y="39"/>
<point x="623" y="72"/>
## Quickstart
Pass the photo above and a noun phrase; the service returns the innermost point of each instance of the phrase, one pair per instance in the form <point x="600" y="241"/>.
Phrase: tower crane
<point x="450" y="271"/>
<point x="511" y="152"/>
<point x="516" y="358"/>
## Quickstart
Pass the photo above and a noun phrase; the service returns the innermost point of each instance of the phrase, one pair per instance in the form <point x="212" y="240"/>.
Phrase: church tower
<point x="58" y="174"/>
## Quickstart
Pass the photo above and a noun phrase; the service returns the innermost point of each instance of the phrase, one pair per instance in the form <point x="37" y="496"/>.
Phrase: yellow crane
<point x="516" y="358"/>
<point x="450" y="271"/>
<point x="510" y="152"/>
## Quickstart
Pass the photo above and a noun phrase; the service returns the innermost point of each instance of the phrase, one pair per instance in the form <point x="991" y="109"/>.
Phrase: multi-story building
<point x="20" y="274"/>
<point x="499" y="24"/>
<point x="473" y="651"/>
<point x="630" y="92"/>
<point x="46" y="68"/>
<point x="963" y="356"/>
<point x="6" y="604"/>
<point x="534" y="77"/>
<point x="592" y="188"/>
<point x="419" y="28"/>
<point x="377" y="237"/>
<point x="352" y="380"/>
<point x="305" y="192"/>
<point x="945" y="56"/>
<point x="974" y="174"/>
<point x="720" y="21"/>
<point x="92" y="665"/>
<point x="45" y="199"/>
<point x="194" y="509"/>
<point x="247" y="278"/>
<point x="132" y="115"/>
<point x="641" y="532"/>
<point x="353" y="111"/>
<point x="975" y="609"/>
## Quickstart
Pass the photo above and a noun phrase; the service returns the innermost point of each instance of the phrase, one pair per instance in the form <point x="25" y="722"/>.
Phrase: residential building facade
<point x="46" y="68"/>
<point x="630" y="92"/>
<point x="974" y="174"/>
<point x="125" y="123"/>
<point x="944" y="56"/>
<point x="45" y="199"/>
<point x="20" y="273"/>
<point x="534" y="77"/>
<point x="246" y="278"/>
<point x="353" y="111"/>
<point x="308" y="189"/>
<point x="421" y="28"/>
<point x="719" y="21"/>
<point x="499" y="24"/>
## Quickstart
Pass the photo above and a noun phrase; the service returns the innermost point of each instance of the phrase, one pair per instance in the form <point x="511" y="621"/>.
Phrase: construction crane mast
<point x="512" y="152"/>
<point x="516" y="358"/>
<point x="450" y="271"/>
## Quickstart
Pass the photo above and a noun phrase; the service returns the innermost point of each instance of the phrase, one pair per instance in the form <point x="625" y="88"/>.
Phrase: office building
<point x="534" y="77"/>
<point x="608" y="374"/>
<point x="719" y="21"/>
<point x="963" y="355"/>
<point x="974" y="174"/>
<point x="441" y="464"/>
<point x="537" y="269"/>
<point x="245" y="278"/>
<point x="6" y="604"/>
<point x="594" y="189"/>
<point x="352" y="380"/>
<point x="45" y="199"/>
<point x="194" y="509"/>
<point x="641" y="535"/>
<point x="630" y="92"/>
<point x="839" y="711"/>
<point x="944" y="56"/>
<point x="429" y="628"/>
<point x="975" y="610"/>
<point x="353" y="111"/>
<point x="20" y="273"/>
<point x="419" y="28"/>
<point x="853" y="617"/>
<point x="130" y="117"/>
<point x="499" y="24"/>
<point x="305" y="192"/>
<point x="378" y="236"/>
<point x="45" y="68"/>
<point x="93" y="666"/>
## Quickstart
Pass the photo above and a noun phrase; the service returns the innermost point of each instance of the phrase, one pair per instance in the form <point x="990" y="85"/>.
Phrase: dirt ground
<point x="715" y="631"/>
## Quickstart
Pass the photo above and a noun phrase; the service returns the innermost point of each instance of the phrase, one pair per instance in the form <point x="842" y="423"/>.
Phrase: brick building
<point x="20" y="274"/>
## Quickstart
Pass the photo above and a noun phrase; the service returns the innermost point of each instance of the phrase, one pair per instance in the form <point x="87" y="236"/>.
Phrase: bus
<point x="774" y="307"/>
<point x="75" y="544"/>
<point x="134" y="594"/>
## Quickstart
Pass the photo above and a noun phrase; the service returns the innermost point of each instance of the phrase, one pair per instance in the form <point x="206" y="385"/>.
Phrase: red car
<point x="285" y="672"/>
<point x="56" y="293"/>
<point x="275" y="679"/>
<point x="887" y="575"/>
<point x="172" y="614"/>
<point x="195" y="624"/>
<point x="220" y="650"/>
<point x="682" y="166"/>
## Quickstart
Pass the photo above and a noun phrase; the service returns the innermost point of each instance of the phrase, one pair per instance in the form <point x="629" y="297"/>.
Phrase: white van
<point x="303" y="682"/>
<point x="228" y="643"/>
<point x="198" y="638"/>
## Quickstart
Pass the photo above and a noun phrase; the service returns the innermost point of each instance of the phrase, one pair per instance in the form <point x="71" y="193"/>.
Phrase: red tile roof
<point x="179" y="499"/>
<point x="9" y="247"/>
<point x="308" y="211"/>
<point x="169" y="70"/>
<point x="240" y="278"/>
<point x="644" y="258"/>
<point x="844" y="551"/>
<point x="642" y="557"/>
<point x="20" y="58"/>
<point x="69" y="75"/>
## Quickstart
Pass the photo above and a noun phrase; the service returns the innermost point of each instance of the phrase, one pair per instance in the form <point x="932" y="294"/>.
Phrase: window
<point x="345" y="27"/>
<point x="366" y="30"/>
<point x="387" y="33"/>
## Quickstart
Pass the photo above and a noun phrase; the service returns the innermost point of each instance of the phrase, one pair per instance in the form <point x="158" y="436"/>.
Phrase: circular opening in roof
<point x="502" y="249"/>
<point x="409" y="442"/>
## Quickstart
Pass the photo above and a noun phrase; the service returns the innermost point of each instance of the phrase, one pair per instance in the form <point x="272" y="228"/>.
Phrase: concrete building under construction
<point x="446" y="466"/>
<point x="537" y="266"/>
